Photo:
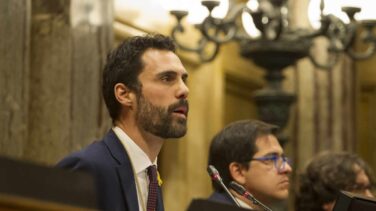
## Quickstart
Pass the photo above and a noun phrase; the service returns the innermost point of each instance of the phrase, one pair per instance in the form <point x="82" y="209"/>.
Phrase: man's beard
<point x="160" y="121"/>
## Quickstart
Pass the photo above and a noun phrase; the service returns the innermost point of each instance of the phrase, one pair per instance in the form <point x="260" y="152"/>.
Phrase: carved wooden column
<point x="325" y="113"/>
<point x="14" y="73"/>
<point x="52" y="54"/>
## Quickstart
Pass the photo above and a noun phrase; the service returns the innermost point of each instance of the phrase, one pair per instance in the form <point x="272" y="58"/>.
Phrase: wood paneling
<point x="50" y="78"/>
<point x="14" y="74"/>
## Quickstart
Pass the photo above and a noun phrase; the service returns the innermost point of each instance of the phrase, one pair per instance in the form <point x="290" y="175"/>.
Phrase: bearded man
<point x="145" y="91"/>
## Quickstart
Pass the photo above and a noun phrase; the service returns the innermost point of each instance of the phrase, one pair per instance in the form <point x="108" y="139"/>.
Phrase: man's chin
<point x="178" y="130"/>
<point x="277" y="196"/>
<point x="282" y="195"/>
<point x="179" y="133"/>
<point x="180" y="124"/>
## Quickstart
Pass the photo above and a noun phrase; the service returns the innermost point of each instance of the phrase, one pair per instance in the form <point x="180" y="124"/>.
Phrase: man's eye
<point x="185" y="79"/>
<point x="166" y="78"/>
<point x="272" y="157"/>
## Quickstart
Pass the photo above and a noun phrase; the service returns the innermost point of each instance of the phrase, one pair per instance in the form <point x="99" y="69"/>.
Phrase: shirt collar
<point x="140" y="161"/>
<point x="242" y="203"/>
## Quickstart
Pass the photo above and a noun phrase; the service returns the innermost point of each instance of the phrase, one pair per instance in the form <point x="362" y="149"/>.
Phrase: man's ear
<point x="124" y="95"/>
<point x="237" y="172"/>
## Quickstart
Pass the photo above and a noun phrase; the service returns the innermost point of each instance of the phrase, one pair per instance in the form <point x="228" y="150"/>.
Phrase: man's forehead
<point x="268" y="144"/>
<point x="161" y="61"/>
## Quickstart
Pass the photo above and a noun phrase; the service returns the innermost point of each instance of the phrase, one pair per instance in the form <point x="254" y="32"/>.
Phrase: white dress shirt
<point x="140" y="162"/>
<point x="243" y="204"/>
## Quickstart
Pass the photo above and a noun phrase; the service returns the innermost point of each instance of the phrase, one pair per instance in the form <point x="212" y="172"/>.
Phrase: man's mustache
<point x="180" y="103"/>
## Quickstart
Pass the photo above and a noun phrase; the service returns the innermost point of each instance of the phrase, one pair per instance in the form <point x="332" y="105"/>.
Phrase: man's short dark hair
<point x="325" y="176"/>
<point x="124" y="64"/>
<point x="236" y="143"/>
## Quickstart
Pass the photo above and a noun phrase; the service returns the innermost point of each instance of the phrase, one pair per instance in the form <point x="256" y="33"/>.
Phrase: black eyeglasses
<point x="279" y="161"/>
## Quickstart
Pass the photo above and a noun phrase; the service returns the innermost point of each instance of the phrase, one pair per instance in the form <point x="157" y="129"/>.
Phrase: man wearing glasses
<point x="249" y="153"/>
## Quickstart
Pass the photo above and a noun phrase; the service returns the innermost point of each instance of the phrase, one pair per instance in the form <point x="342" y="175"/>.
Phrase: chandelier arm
<point x="368" y="39"/>
<point x="325" y="29"/>
<point x="322" y="31"/>
<point x="351" y="33"/>
<point x="363" y="55"/>
<point x="327" y="66"/>
<point x="219" y="25"/>
<point x="179" y="29"/>
<point x="312" y="35"/>
<point x="210" y="58"/>
<point x="199" y="49"/>
<point x="206" y="27"/>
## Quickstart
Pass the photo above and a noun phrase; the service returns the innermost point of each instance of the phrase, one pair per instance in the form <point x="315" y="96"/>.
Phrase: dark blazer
<point x="221" y="198"/>
<point x="110" y="165"/>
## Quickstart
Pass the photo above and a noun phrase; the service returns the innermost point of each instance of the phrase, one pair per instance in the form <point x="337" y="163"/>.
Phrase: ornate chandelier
<point x="271" y="19"/>
<point x="278" y="45"/>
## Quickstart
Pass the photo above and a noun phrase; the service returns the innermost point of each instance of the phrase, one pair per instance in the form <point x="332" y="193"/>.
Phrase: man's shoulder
<point x="84" y="157"/>
<point x="96" y="153"/>
<point x="220" y="197"/>
<point x="92" y="150"/>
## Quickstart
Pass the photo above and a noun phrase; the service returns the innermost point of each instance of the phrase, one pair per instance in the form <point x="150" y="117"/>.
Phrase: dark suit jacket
<point x="110" y="165"/>
<point x="221" y="198"/>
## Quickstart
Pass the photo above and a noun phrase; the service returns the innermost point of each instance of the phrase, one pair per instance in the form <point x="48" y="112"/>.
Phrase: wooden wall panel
<point x="14" y="71"/>
<point x="50" y="78"/>
<point x="86" y="93"/>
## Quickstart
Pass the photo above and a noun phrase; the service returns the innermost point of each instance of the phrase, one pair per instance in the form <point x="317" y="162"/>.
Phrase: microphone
<point x="243" y="192"/>
<point x="214" y="174"/>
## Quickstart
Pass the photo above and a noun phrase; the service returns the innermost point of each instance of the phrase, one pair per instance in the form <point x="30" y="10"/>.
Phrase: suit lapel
<point x="124" y="170"/>
<point x="160" y="200"/>
<point x="128" y="186"/>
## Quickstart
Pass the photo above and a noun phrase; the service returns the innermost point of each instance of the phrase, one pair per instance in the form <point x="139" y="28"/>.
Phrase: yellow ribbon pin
<point x="160" y="182"/>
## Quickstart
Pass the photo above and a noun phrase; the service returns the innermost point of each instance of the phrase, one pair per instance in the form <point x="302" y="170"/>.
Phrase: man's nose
<point x="286" y="168"/>
<point x="183" y="90"/>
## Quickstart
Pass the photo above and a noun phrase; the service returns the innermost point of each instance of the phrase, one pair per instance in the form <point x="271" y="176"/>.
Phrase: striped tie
<point x="153" y="186"/>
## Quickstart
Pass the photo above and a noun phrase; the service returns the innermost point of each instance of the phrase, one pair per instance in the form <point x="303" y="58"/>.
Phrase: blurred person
<point x="145" y="91"/>
<point x="327" y="174"/>
<point x="249" y="153"/>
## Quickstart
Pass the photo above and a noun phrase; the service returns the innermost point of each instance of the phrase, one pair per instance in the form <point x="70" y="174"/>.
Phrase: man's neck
<point x="148" y="142"/>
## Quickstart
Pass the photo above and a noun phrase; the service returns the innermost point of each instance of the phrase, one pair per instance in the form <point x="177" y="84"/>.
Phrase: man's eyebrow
<point x="172" y="72"/>
<point x="166" y="72"/>
<point x="274" y="154"/>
